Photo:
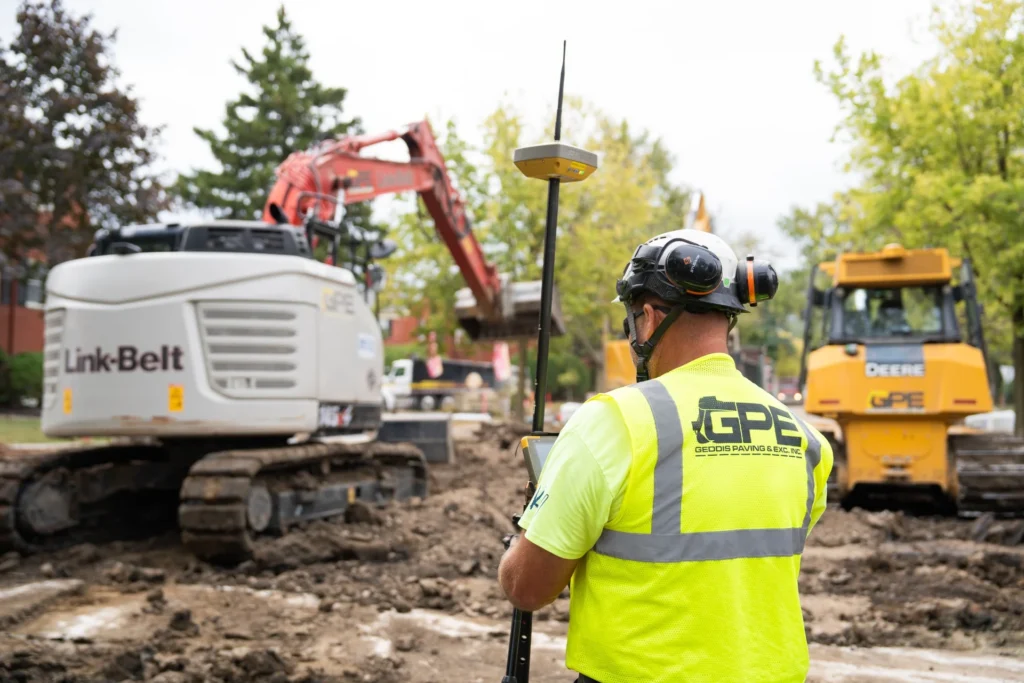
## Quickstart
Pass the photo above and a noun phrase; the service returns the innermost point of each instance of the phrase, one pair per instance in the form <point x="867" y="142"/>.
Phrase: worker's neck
<point x="674" y="353"/>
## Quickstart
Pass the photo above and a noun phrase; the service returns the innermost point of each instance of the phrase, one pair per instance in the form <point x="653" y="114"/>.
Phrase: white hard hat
<point x="696" y="267"/>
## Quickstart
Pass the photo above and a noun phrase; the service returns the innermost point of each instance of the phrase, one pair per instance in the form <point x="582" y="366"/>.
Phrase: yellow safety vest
<point x="695" y="579"/>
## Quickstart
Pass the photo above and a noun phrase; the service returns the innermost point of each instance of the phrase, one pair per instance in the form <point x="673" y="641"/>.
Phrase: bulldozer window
<point x="907" y="312"/>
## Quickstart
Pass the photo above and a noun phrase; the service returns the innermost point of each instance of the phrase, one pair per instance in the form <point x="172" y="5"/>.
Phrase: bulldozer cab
<point x="892" y="314"/>
<point x="893" y="298"/>
<point x="894" y="353"/>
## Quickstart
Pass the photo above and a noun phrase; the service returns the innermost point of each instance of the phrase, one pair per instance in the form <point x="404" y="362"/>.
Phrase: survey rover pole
<point x="556" y="163"/>
<point x="547" y="285"/>
<point x="517" y="667"/>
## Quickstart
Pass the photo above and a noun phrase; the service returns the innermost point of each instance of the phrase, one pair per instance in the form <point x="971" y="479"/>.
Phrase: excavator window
<point x="249" y="237"/>
<point x="136" y="241"/>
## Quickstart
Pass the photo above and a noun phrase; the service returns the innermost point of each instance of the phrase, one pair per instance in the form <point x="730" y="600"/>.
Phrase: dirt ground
<point x="408" y="593"/>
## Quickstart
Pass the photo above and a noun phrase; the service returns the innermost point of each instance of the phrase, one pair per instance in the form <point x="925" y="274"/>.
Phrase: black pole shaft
<point x="513" y="642"/>
<point x="546" y="292"/>
<point x="517" y="666"/>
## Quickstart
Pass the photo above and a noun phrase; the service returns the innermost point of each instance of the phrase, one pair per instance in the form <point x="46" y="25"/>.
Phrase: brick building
<point x="401" y="330"/>
<point x="21" y="319"/>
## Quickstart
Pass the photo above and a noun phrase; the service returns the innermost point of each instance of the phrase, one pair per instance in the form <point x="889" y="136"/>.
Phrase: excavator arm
<point x="313" y="182"/>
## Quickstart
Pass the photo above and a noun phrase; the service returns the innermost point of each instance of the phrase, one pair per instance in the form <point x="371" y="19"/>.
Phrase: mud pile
<point x="295" y="612"/>
<point x="883" y="578"/>
<point x="406" y="555"/>
<point x="858" y="527"/>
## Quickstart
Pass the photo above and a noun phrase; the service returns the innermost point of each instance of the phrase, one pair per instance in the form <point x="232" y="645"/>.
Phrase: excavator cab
<point x="894" y="352"/>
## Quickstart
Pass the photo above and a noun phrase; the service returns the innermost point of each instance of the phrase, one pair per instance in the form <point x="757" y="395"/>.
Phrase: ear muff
<point x="756" y="281"/>
<point x="693" y="268"/>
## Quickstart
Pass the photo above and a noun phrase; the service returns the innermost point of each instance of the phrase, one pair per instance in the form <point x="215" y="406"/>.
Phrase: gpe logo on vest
<point x="726" y="427"/>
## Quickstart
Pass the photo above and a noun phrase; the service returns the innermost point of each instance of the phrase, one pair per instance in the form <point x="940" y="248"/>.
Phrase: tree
<point x="284" y="110"/>
<point x="630" y="199"/>
<point x="821" y="233"/>
<point x="776" y="326"/>
<point x="940" y="149"/>
<point x="73" y="154"/>
<point x="424" y="277"/>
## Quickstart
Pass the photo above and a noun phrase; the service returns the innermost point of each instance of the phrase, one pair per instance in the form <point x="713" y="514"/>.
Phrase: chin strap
<point x="644" y="351"/>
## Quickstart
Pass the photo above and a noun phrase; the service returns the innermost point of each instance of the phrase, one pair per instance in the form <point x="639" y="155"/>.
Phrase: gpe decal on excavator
<point x="246" y="368"/>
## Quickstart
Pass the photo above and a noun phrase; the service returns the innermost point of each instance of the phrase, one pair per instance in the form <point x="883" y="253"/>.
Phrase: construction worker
<point x="679" y="506"/>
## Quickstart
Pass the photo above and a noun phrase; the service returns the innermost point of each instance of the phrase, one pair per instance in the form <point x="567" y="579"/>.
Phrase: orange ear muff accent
<point x="751" y="290"/>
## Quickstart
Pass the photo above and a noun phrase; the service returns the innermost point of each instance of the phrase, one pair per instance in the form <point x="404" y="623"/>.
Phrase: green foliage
<point x="569" y="377"/>
<point x="73" y="153"/>
<point x="939" y="154"/>
<point x="6" y="395"/>
<point x="630" y="199"/>
<point x="820" y="233"/>
<point x="940" y="148"/>
<point x="424" y="278"/>
<point x="21" y="376"/>
<point x="26" y="375"/>
<point x="283" y="110"/>
<point x="776" y="326"/>
<point x="399" y="351"/>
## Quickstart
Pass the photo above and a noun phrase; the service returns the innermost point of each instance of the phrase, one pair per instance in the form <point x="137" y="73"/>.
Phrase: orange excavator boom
<point x="314" y="181"/>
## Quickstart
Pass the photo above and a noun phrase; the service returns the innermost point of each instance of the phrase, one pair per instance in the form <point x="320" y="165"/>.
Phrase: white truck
<point x="431" y="384"/>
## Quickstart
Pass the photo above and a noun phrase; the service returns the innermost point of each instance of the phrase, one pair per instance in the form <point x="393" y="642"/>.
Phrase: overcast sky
<point x="728" y="85"/>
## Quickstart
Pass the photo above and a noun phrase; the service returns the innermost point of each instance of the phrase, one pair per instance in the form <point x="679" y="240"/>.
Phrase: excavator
<point x="231" y="380"/>
<point x="894" y="359"/>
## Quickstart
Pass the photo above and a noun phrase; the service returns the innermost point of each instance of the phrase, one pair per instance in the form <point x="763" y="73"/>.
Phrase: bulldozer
<point x="894" y="354"/>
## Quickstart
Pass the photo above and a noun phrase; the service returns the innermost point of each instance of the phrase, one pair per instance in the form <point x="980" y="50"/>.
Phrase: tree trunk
<point x="1018" y="371"/>
<point x="518" y="411"/>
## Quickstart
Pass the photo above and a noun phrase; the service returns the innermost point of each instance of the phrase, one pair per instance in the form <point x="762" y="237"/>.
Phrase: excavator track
<point x="990" y="470"/>
<point x="57" y="498"/>
<point x="62" y="497"/>
<point x="230" y="497"/>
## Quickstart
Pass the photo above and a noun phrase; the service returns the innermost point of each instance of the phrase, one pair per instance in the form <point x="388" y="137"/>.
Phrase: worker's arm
<point x="567" y="514"/>
<point x="821" y="474"/>
<point x="531" y="576"/>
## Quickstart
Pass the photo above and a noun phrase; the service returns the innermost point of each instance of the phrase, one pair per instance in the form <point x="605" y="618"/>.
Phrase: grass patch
<point x="22" y="429"/>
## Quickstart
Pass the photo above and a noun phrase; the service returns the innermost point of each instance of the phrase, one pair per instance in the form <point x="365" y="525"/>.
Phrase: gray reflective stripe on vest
<point x="812" y="457"/>
<point x="668" y="472"/>
<point x="666" y="543"/>
<point x="701" y="545"/>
